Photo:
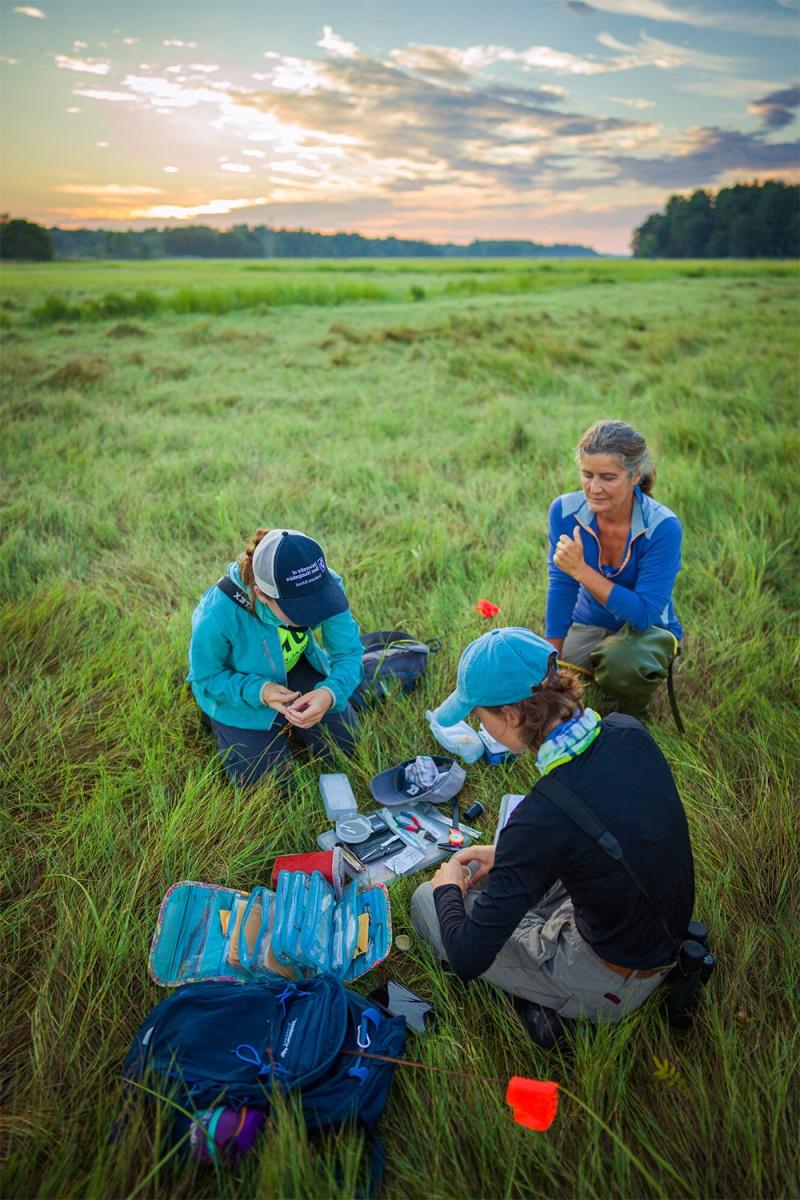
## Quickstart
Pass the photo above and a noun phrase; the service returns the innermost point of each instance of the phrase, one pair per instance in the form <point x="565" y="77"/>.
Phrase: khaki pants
<point x="547" y="961"/>
<point x="580" y="642"/>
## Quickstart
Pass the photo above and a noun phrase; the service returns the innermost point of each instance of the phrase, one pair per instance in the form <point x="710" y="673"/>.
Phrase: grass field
<point x="421" y="435"/>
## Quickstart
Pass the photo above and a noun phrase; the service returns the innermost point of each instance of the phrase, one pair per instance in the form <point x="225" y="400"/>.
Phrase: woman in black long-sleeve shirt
<point x="546" y="914"/>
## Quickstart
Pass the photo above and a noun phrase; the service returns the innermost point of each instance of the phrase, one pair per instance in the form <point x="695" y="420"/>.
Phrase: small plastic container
<point x="495" y="751"/>
<point x="337" y="796"/>
<point x="458" y="739"/>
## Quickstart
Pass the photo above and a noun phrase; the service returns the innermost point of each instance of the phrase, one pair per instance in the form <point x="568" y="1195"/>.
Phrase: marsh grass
<point x="422" y="443"/>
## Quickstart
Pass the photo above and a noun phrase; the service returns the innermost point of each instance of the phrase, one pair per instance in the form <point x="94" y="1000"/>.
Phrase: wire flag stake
<point x="534" y="1102"/>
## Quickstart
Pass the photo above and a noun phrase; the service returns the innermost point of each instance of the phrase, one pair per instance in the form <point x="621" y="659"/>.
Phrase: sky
<point x="552" y="120"/>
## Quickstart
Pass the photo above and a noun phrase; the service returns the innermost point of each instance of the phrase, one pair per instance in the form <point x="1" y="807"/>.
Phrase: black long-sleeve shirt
<point x="625" y="779"/>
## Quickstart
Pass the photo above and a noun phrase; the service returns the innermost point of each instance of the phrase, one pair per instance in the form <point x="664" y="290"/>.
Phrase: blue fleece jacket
<point x="232" y="654"/>
<point x="642" y="591"/>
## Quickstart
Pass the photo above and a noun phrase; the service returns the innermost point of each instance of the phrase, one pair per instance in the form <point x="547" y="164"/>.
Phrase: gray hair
<point x="624" y="444"/>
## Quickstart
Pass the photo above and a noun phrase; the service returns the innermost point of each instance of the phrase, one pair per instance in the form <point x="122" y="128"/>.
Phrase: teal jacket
<point x="232" y="655"/>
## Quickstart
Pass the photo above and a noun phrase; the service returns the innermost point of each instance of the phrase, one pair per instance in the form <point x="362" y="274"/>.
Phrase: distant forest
<point x="745" y="221"/>
<point x="245" y="241"/>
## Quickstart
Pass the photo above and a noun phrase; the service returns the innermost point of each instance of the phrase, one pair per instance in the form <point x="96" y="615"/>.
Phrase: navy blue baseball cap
<point x="290" y="567"/>
<point x="500" y="667"/>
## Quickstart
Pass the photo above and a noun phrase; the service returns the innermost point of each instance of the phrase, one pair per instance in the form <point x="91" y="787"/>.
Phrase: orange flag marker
<point x="534" y="1101"/>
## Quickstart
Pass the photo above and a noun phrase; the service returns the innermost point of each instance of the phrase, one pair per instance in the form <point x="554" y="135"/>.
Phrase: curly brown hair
<point x="557" y="701"/>
<point x="246" y="564"/>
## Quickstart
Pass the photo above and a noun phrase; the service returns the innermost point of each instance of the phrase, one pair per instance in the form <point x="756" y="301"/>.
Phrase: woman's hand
<point x="309" y="709"/>
<point x="482" y="855"/>
<point x="451" y="871"/>
<point x="276" y="696"/>
<point x="568" y="554"/>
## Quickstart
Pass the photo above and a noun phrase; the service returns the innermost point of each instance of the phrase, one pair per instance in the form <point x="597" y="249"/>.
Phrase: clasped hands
<point x="568" y="554"/>
<point x="304" y="711"/>
<point x="454" y="869"/>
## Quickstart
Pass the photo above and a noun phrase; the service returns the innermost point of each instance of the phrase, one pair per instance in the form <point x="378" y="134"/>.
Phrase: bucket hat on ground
<point x="390" y="786"/>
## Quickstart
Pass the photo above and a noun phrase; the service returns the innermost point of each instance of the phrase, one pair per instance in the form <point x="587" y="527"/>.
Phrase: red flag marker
<point x="534" y="1101"/>
<point x="487" y="609"/>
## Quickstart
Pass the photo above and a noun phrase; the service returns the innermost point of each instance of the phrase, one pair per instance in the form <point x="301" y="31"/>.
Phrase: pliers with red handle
<point x="412" y="824"/>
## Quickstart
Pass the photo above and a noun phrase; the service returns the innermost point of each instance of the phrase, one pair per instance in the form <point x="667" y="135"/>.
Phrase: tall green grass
<point x="147" y="303"/>
<point x="422" y="443"/>
<point x="80" y="291"/>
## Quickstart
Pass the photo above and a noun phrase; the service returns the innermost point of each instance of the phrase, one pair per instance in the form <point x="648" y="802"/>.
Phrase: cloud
<point x="432" y="131"/>
<point x="204" y="68"/>
<point x="102" y="94"/>
<point x="178" y="42"/>
<point x="26" y="11"/>
<point x="455" y="65"/>
<point x="710" y="154"/>
<point x="80" y="45"/>
<point x="632" y="102"/>
<point x="10" y="62"/>
<point x="102" y="145"/>
<point x="108" y="189"/>
<point x="131" y="41"/>
<point x="171" y="93"/>
<point x="777" y="109"/>
<point x="293" y="74"/>
<point x="88" y="65"/>
<point x="170" y="170"/>
<point x="335" y="45"/>
<point x="72" y="110"/>
<point x="666" y="56"/>
<point x="169" y="212"/>
<point x="579" y="7"/>
<point x="761" y="19"/>
<point x="441" y="62"/>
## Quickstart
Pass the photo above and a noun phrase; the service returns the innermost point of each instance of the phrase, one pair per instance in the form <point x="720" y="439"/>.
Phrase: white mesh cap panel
<point x="264" y="561"/>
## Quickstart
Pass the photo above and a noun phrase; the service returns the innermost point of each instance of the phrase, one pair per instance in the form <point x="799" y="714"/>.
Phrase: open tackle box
<point x="208" y="932"/>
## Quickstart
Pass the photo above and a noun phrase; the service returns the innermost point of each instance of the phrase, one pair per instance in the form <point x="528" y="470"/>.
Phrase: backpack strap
<point x="234" y="593"/>
<point x="673" y="703"/>
<point x="586" y="819"/>
<point x="377" y="1164"/>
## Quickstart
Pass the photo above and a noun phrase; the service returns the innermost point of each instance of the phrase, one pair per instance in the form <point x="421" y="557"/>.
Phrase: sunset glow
<point x="549" y="120"/>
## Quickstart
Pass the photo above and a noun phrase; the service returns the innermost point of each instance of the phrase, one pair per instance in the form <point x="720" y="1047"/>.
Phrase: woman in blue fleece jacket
<point x="257" y="671"/>
<point x="613" y="558"/>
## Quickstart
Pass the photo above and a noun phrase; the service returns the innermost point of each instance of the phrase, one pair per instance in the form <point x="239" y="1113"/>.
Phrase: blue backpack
<point x="391" y="657"/>
<point x="229" y="1043"/>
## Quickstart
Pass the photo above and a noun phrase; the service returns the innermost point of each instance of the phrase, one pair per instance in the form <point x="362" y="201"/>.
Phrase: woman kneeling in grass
<point x="254" y="666"/>
<point x="546" y="914"/>
<point x="613" y="558"/>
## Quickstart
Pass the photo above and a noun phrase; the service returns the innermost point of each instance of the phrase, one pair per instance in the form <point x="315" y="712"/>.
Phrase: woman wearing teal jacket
<point x="255" y="668"/>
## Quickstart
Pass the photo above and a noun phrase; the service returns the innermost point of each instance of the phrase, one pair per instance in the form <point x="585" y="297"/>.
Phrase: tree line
<point x="23" y="239"/>
<point x="758" y="220"/>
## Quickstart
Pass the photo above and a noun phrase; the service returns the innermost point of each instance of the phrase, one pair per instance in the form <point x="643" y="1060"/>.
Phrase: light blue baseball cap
<point x="500" y="667"/>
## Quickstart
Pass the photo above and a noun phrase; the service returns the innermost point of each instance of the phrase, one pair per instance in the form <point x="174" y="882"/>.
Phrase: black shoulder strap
<point x="570" y="803"/>
<point x="234" y="593"/>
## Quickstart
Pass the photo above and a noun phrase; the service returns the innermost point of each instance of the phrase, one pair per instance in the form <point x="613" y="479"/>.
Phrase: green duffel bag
<point x="631" y="663"/>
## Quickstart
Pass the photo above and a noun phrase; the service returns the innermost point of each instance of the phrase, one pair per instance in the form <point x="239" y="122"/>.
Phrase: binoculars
<point x="693" y="969"/>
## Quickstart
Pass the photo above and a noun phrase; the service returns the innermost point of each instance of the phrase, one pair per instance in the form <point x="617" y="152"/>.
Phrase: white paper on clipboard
<point x="507" y="806"/>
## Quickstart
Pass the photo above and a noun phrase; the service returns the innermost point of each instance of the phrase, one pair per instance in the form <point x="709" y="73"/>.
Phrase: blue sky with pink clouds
<point x="556" y="120"/>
